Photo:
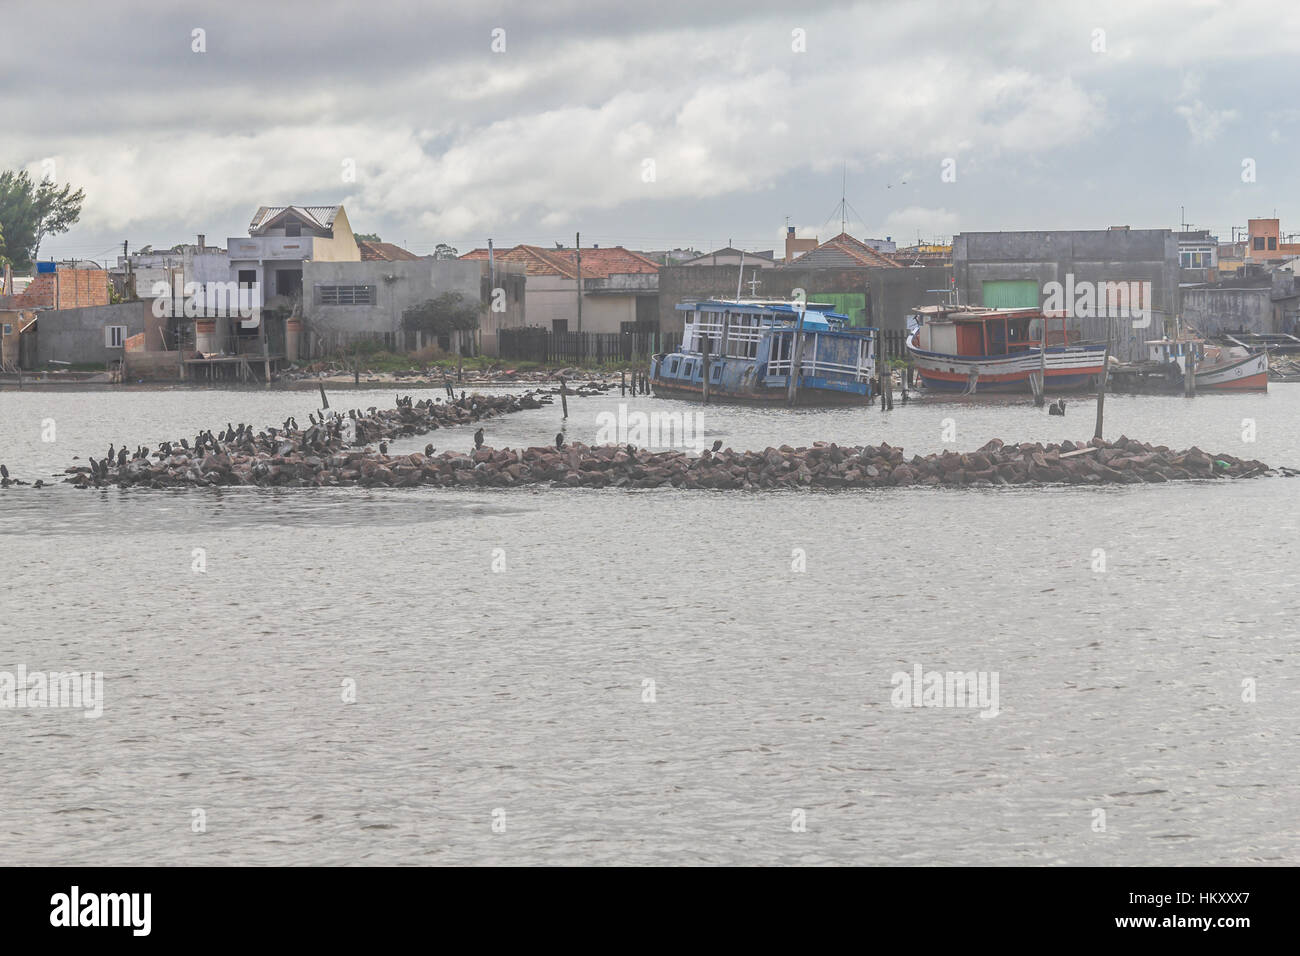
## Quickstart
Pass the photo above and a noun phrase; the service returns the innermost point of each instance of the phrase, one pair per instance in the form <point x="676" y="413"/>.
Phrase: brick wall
<point x="66" y="289"/>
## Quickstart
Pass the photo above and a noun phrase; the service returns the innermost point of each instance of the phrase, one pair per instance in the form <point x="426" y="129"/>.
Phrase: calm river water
<point x="508" y="715"/>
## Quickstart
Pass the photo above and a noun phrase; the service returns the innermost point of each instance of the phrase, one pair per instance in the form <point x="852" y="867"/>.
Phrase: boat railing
<point x="861" y="370"/>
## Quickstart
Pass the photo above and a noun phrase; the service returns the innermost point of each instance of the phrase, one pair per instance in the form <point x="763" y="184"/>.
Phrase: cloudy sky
<point x="654" y="125"/>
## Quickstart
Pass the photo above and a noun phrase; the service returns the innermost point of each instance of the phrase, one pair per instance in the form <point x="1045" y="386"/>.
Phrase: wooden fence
<point x="892" y="345"/>
<point x="583" y="348"/>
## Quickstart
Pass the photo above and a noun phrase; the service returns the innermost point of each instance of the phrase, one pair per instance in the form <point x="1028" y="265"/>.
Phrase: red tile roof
<point x="385" y="251"/>
<point x="859" y="252"/>
<point x="596" y="263"/>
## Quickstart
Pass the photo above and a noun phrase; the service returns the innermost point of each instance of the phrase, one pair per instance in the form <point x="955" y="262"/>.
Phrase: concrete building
<point x="1198" y="256"/>
<point x="280" y="240"/>
<point x="95" y="335"/>
<point x="1264" y="242"/>
<point x="619" y="288"/>
<point x="1012" y="269"/>
<point x="879" y="296"/>
<point x="1251" y="300"/>
<point x="795" y="247"/>
<point x="347" y="302"/>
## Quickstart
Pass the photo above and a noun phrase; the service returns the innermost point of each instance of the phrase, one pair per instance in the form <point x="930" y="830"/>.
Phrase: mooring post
<point x="1189" y="373"/>
<point x="622" y="382"/>
<point x="704" y="372"/>
<point x="1101" y="383"/>
<point x="564" y="401"/>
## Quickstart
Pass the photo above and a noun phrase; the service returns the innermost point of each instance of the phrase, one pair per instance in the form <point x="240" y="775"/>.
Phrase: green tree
<point x="448" y="312"/>
<point x="444" y="251"/>
<point x="367" y="236"/>
<point x="31" y="211"/>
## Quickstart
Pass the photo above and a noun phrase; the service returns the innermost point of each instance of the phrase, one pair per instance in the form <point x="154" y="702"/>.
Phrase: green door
<point x="1011" y="294"/>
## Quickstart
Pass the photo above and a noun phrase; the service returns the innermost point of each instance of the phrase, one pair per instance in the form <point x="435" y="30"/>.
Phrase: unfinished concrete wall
<point x="78" y="335"/>
<point x="1215" y="311"/>
<point x="395" y="287"/>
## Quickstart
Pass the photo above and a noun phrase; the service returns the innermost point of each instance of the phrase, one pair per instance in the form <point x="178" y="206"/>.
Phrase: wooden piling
<point x="564" y="400"/>
<point x="1189" y="373"/>
<point x="1101" y="383"/>
<point x="622" y="382"/>
<point x="704" y="371"/>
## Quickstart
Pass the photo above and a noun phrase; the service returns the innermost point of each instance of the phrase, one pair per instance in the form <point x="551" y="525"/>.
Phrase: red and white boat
<point x="974" y="349"/>
<point x="1216" y="368"/>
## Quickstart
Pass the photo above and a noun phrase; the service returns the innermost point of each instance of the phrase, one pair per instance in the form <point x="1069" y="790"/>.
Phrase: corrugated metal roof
<point x="322" y="216"/>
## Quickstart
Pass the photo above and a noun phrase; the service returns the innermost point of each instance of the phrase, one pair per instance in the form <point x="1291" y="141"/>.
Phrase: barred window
<point x="346" y="294"/>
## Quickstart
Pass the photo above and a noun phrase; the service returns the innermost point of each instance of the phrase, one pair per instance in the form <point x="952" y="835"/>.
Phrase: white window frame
<point x="115" y="332"/>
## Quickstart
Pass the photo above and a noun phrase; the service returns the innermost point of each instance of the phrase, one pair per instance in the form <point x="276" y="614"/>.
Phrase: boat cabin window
<point x="686" y="371"/>
<point x="715" y="372"/>
<point x="672" y="369"/>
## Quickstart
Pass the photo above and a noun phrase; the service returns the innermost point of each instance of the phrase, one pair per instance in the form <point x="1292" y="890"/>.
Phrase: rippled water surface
<point x="520" y="694"/>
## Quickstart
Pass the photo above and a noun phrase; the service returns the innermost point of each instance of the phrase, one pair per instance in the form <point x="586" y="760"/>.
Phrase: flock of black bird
<point x="327" y="432"/>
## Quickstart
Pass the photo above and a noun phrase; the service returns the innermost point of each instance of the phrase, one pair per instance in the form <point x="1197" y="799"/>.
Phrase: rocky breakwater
<point x="822" y="466"/>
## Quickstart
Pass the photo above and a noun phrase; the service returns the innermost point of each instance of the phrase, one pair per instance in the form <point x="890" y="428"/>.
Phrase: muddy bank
<point x="312" y="460"/>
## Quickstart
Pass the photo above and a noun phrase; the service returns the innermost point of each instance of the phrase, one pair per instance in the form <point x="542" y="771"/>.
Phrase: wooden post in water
<point x="622" y="382"/>
<point x="796" y="362"/>
<point x="704" y="371"/>
<point x="1040" y="393"/>
<point x="266" y="354"/>
<point x="1101" y="383"/>
<point x="564" y="401"/>
<point x="1189" y="373"/>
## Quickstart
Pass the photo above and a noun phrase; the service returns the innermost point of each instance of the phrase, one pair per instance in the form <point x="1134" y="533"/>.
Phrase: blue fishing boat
<point x="766" y="351"/>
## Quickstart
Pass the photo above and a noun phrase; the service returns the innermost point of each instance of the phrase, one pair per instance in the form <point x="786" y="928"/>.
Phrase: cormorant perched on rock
<point x="717" y="445"/>
<point x="631" y="450"/>
<point x="559" y="440"/>
<point x="110" y="454"/>
<point x="4" y="472"/>
<point x="311" y="418"/>
<point x="428" y="450"/>
<point x="121" y="458"/>
<point x="383" y="448"/>
<point x="1057" y="407"/>
<point x="185" y="444"/>
<point x="478" y="438"/>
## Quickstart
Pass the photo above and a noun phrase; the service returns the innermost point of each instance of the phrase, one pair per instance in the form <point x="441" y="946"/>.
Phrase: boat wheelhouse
<point x="1215" y="368"/>
<point x="753" y="348"/>
<point x="970" y="348"/>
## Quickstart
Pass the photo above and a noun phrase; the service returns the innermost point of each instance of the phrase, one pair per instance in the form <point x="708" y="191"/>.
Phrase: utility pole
<point x="577" y="248"/>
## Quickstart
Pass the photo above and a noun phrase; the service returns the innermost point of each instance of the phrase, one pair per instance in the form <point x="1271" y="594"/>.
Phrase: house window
<point x="114" y="336"/>
<point x="293" y="229"/>
<point x="1259" y="243"/>
<point x="345" y="294"/>
<point x="559" y="325"/>
<point x="1272" y="242"/>
<point x="8" y="329"/>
